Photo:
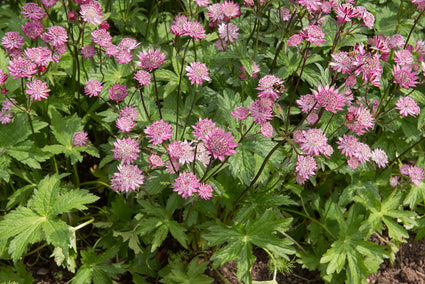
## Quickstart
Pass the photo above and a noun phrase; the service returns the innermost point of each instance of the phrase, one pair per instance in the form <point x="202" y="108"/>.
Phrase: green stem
<point x="156" y="93"/>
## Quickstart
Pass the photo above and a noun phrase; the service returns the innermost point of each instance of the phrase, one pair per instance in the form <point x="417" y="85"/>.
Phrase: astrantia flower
<point x="363" y="120"/>
<point x="397" y="41"/>
<point x="6" y="118"/>
<point x="205" y="191"/>
<point x="314" y="34"/>
<point x="202" y="3"/>
<point x="126" y="150"/>
<point x="193" y="29"/>
<point x="111" y="49"/>
<point x="348" y="145"/>
<point x="404" y="76"/>
<point x="230" y="9"/>
<point x="130" y="112"/>
<point x="379" y="157"/>
<point x="220" y="144"/>
<point x="363" y="152"/>
<point x="285" y="14"/>
<point x="124" y="57"/>
<point x="215" y="13"/>
<point x="37" y="90"/>
<point x="33" y="11"/>
<point x="407" y="106"/>
<point x="240" y="113"/>
<point x="39" y="55"/>
<point x="197" y="72"/>
<point x="420" y="4"/>
<point x="12" y="40"/>
<point x="266" y="129"/>
<point x="79" y="138"/>
<point x="55" y="35"/>
<point x="155" y="161"/>
<point x="186" y="184"/>
<point x="175" y="149"/>
<point x="3" y="77"/>
<point x="101" y="37"/>
<point x="329" y="98"/>
<point x="307" y="102"/>
<point x="143" y="77"/>
<point x="295" y="40"/>
<point x="173" y="166"/>
<point x="125" y="124"/>
<point x="202" y="154"/>
<point x="21" y="68"/>
<point x="177" y="26"/>
<point x="128" y="178"/>
<point x="92" y="88"/>
<point x="33" y="28"/>
<point x="118" y="92"/>
<point x="311" y="5"/>
<point x="342" y="62"/>
<point x="261" y="110"/>
<point x="203" y="128"/>
<point x="416" y="175"/>
<point x="403" y="57"/>
<point x="128" y="44"/>
<point x="419" y="46"/>
<point x="313" y="142"/>
<point x="159" y="131"/>
<point x="265" y="85"/>
<point x="48" y="3"/>
<point x="91" y="13"/>
<point x="228" y="32"/>
<point x="306" y="167"/>
<point x="71" y="16"/>
<point x="394" y="181"/>
<point x="150" y="59"/>
<point x="88" y="51"/>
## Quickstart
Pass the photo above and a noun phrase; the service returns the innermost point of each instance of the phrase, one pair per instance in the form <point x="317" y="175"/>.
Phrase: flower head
<point x="3" y="77"/>
<point x="159" y="131"/>
<point x="128" y="178"/>
<point x="177" y="26"/>
<point x="118" y="92"/>
<point x="33" y="11"/>
<point x="32" y="28"/>
<point x="306" y="167"/>
<point x="130" y="112"/>
<point x="240" y="113"/>
<point x="416" y="175"/>
<point x="362" y="119"/>
<point x="48" y="3"/>
<point x="186" y="184"/>
<point x="12" y="40"/>
<point x="124" y="124"/>
<point x="21" y="68"/>
<point x="228" y="32"/>
<point x="150" y="59"/>
<point x="155" y="161"/>
<point x="313" y="34"/>
<point x="407" y="106"/>
<point x="79" y="138"/>
<point x="342" y="62"/>
<point x="205" y="191"/>
<point x="295" y="40"/>
<point x="348" y="145"/>
<point x="88" y="51"/>
<point x="261" y="110"/>
<point x="220" y="144"/>
<point x="230" y="10"/>
<point x="37" y="90"/>
<point x="313" y="142"/>
<point x="91" y="13"/>
<point x="197" y="72"/>
<point x="92" y="88"/>
<point x="193" y="29"/>
<point x="403" y="57"/>
<point x="215" y="13"/>
<point x="143" y="77"/>
<point x="265" y="85"/>
<point x="202" y="3"/>
<point x="55" y="35"/>
<point x="126" y="150"/>
<point x="307" y="102"/>
<point x="203" y="128"/>
<point x="101" y="37"/>
<point x="329" y="98"/>
<point x="404" y="76"/>
<point x="379" y="157"/>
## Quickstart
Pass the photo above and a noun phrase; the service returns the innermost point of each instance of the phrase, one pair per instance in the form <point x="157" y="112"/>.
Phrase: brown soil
<point x="408" y="268"/>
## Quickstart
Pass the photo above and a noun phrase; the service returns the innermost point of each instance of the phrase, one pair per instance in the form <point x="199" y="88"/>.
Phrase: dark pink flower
<point x="313" y="34"/>
<point x="39" y="55"/>
<point x="177" y="26"/>
<point x="118" y="92"/>
<point x="193" y="29"/>
<point x="55" y="35"/>
<point x="220" y="144"/>
<point x="88" y="51"/>
<point x="295" y="40"/>
<point x="404" y="76"/>
<point x="186" y="184"/>
<point x="37" y="90"/>
<point x="33" y="11"/>
<point x="230" y="10"/>
<point x="205" y="191"/>
<point x="130" y="112"/>
<point x="33" y="28"/>
<point x="128" y="178"/>
<point x="197" y="73"/>
<point x="104" y="25"/>
<point x="143" y="77"/>
<point x="203" y="128"/>
<point x="266" y="86"/>
<point x="313" y="142"/>
<point x="261" y="110"/>
<point x="101" y="37"/>
<point x="240" y="113"/>
<point x="92" y="88"/>
<point x="48" y="3"/>
<point x="159" y="131"/>
<point x="79" y="138"/>
<point x="71" y="16"/>
<point x="21" y="68"/>
<point x="3" y="77"/>
<point x="329" y="98"/>
<point x="362" y="119"/>
<point x="150" y="59"/>
<point x="12" y="40"/>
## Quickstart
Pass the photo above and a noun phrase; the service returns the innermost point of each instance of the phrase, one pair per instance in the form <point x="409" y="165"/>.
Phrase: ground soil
<point x="408" y="268"/>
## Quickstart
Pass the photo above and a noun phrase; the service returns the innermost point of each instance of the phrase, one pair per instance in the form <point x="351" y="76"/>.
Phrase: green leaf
<point x="28" y="154"/>
<point x="242" y="165"/>
<point x="159" y="236"/>
<point x="75" y="199"/>
<point x="64" y="128"/>
<point x="132" y="238"/>
<point x="192" y="273"/>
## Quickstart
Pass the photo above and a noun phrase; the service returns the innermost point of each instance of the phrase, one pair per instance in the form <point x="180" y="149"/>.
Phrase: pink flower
<point x="173" y="166"/>
<point x="313" y="142"/>
<point x="197" y="72"/>
<point x="203" y="128"/>
<point x="265" y="85"/>
<point x="295" y="40"/>
<point x="79" y="138"/>
<point x="91" y="13"/>
<point x="130" y="112"/>
<point x="397" y="41"/>
<point x="124" y="57"/>
<point x="127" y="179"/>
<point x="202" y="3"/>
<point x="220" y="144"/>
<point x="329" y="99"/>
<point x="55" y="35"/>
<point x="342" y="62"/>
<point x="48" y="3"/>
<point x="88" y="51"/>
<point x="92" y="88"/>
<point x="313" y="34"/>
<point x="111" y="50"/>
<point x="177" y="26"/>
<point x="420" y="4"/>
<point x="33" y="28"/>
<point x="159" y="131"/>
<point x="155" y="161"/>
<point x="104" y="25"/>
<point x="362" y="119"/>
<point x="71" y="16"/>
<point x="150" y="59"/>
<point x="228" y="32"/>
<point x="101" y="37"/>
<point x="21" y="68"/>
<point x="193" y="29"/>
<point x="307" y="102"/>
<point x="125" y="124"/>
<point x="416" y="175"/>
<point x="379" y="157"/>
<point x="261" y="110"/>
<point x="403" y="57"/>
<point x="215" y="13"/>
<point x="311" y="5"/>
<point x="39" y="55"/>
<point x="230" y="10"/>
<point x="186" y="184"/>
<point x="266" y="129"/>
<point x="394" y="181"/>
<point x="126" y="150"/>
<point x="12" y="40"/>
<point x="407" y="106"/>
<point x="306" y="167"/>
<point x="285" y="14"/>
<point x="143" y="77"/>
<point x="348" y="145"/>
<point x="37" y="90"/>
<point x="3" y="77"/>
<point x="118" y="92"/>
<point x="205" y="191"/>
<point x="404" y="76"/>
<point x="33" y="11"/>
<point x="128" y="44"/>
<point x="240" y="113"/>
<point x="419" y="46"/>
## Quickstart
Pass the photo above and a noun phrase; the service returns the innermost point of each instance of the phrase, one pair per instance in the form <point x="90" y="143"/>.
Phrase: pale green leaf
<point x="74" y="199"/>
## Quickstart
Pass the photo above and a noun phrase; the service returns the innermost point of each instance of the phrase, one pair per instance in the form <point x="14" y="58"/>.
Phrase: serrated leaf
<point x="75" y="199"/>
<point x="132" y="239"/>
<point x="64" y="128"/>
<point x="242" y="165"/>
<point x="178" y="232"/>
<point x="28" y="154"/>
<point x="159" y="236"/>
